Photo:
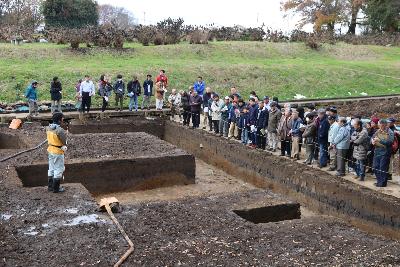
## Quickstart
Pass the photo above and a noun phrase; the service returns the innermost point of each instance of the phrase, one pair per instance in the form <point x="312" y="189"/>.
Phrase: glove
<point x="262" y="131"/>
<point x="64" y="148"/>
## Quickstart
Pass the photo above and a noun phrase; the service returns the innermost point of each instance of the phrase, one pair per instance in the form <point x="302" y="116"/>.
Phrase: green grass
<point x="274" y="69"/>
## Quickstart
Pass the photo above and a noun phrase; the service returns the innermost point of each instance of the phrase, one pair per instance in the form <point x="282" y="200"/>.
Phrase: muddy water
<point x="209" y="181"/>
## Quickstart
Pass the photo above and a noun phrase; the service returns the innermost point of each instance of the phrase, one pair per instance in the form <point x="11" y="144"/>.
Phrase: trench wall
<point x="320" y="191"/>
<point x="107" y="176"/>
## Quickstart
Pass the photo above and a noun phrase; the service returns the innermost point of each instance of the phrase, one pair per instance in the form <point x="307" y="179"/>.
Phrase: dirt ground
<point x="368" y="108"/>
<point x="192" y="226"/>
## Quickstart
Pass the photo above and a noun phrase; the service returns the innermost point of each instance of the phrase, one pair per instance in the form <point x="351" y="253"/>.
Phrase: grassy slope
<point x="275" y="69"/>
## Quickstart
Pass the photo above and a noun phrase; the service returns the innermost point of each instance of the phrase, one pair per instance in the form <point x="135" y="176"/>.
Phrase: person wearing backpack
<point x="56" y="95"/>
<point x="134" y="91"/>
<point x="119" y="89"/>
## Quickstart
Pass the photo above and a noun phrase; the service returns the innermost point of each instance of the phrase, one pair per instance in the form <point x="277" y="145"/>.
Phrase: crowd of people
<point x="342" y="144"/>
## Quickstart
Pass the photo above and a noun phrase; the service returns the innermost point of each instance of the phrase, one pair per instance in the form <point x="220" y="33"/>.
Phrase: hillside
<point x="274" y="69"/>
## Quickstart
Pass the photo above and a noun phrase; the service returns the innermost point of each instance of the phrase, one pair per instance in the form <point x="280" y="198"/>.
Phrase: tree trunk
<point x="353" y="22"/>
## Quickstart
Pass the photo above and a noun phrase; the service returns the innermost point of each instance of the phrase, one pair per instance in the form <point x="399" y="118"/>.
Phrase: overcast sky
<point x="221" y="12"/>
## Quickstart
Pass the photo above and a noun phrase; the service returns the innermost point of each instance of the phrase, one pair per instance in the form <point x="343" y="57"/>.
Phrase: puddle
<point x="84" y="219"/>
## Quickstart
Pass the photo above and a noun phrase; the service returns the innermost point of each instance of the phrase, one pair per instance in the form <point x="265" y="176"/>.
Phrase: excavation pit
<point x="9" y="141"/>
<point x="131" y="162"/>
<point x="275" y="213"/>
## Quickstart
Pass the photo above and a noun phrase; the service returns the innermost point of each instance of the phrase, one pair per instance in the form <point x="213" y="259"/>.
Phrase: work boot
<point x="56" y="186"/>
<point x="50" y="183"/>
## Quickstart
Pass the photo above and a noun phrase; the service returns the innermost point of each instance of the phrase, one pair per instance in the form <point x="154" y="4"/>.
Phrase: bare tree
<point x="116" y="16"/>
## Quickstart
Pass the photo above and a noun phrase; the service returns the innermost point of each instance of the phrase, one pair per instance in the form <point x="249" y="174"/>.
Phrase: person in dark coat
<point x="147" y="92"/>
<point x="186" y="107"/>
<point x="134" y="91"/>
<point x="310" y="136"/>
<point x="56" y="95"/>
<point x="253" y="112"/>
<point x="323" y="131"/>
<point x="195" y="102"/>
<point x="207" y="101"/>
<point x="262" y="122"/>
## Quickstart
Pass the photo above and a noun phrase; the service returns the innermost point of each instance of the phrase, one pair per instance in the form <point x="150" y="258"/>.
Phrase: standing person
<point x="119" y="89"/>
<point x="224" y="123"/>
<point x="253" y="112"/>
<point x="147" y="92"/>
<point x="323" y="131"/>
<point x="78" y="97"/>
<point x="360" y="140"/>
<point x="236" y="95"/>
<point x="160" y="92"/>
<point x="105" y="89"/>
<point x="162" y="77"/>
<point x="245" y="125"/>
<point x="174" y="101"/>
<point x="134" y="91"/>
<point x="186" y="107"/>
<point x="273" y="122"/>
<point x="333" y="131"/>
<point x="216" y="112"/>
<point x="382" y="142"/>
<point x="296" y="133"/>
<point x="195" y="102"/>
<point x="206" y="108"/>
<point x="395" y="147"/>
<point x="241" y="106"/>
<point x="56" y="95"/>
<point x="341" y="143"/>
<point x="262" y="123"/>
<point x="57" y="145"/>
<point x="87" y="90"/>
<point x="31" y="96"/>
<point x="233" y="118"/>
<point x="267" y="103"/>
<point x="199" y="86"/>
<point x="309" y="136"/>
<point x="284" y="127"/>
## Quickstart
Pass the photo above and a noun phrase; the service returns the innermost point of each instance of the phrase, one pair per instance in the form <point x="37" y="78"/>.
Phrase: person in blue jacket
<point x="199" y="86"/>
<point x="253" y="112"/>
<point x="323" y="131"/>
<point x="31" y="96"/>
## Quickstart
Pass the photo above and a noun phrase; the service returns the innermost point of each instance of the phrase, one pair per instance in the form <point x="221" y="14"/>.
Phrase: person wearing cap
<point x="57" y="145"/>
<point x="195" y="102"/>
<point x="56" y="95"/>
<point x="309" y="135"/>
<point x="147" y="92"/>
<point x="216" y="112"/>
<point x="382" y="142"/>
<point x="267" y="104"/>
<point x="341" y="143"/>
<point x="86" y="91"/>
<point x="360" y="141"/>
<point x="333" y="131"/>
<point x="274" y="118"/>
<point x="296" y="133"/>
<point x="323" y="131"/>
<point x="31" y="96"/>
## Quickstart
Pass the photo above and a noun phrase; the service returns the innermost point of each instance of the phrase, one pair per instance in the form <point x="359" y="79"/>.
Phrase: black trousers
<point x="216" y="126"/>
<point x="186" y="117"/>
<point x="210" y="123"/>
<point x="196" y="119"/>
<point x="285" y="147"/>
<point x="104" y="106"/>
<point x="86" y="102"/>
<point x="261" y="139"/>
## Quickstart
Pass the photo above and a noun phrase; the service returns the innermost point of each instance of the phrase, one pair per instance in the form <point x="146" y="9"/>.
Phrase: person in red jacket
<point x="162" y="78"/>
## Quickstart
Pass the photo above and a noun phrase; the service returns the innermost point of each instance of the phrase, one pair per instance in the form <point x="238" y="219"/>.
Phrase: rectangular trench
<point x="320" y="191"/>
<point x="107" y="176"/>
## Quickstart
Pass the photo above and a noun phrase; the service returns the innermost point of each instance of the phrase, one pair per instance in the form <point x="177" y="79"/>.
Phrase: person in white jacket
<point x="216" y="112"/>
<point x="86" y="91"/>
<point x="174" y="101"/>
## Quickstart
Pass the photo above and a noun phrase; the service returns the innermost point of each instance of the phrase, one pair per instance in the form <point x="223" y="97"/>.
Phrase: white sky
<point x="202" y="12"/>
